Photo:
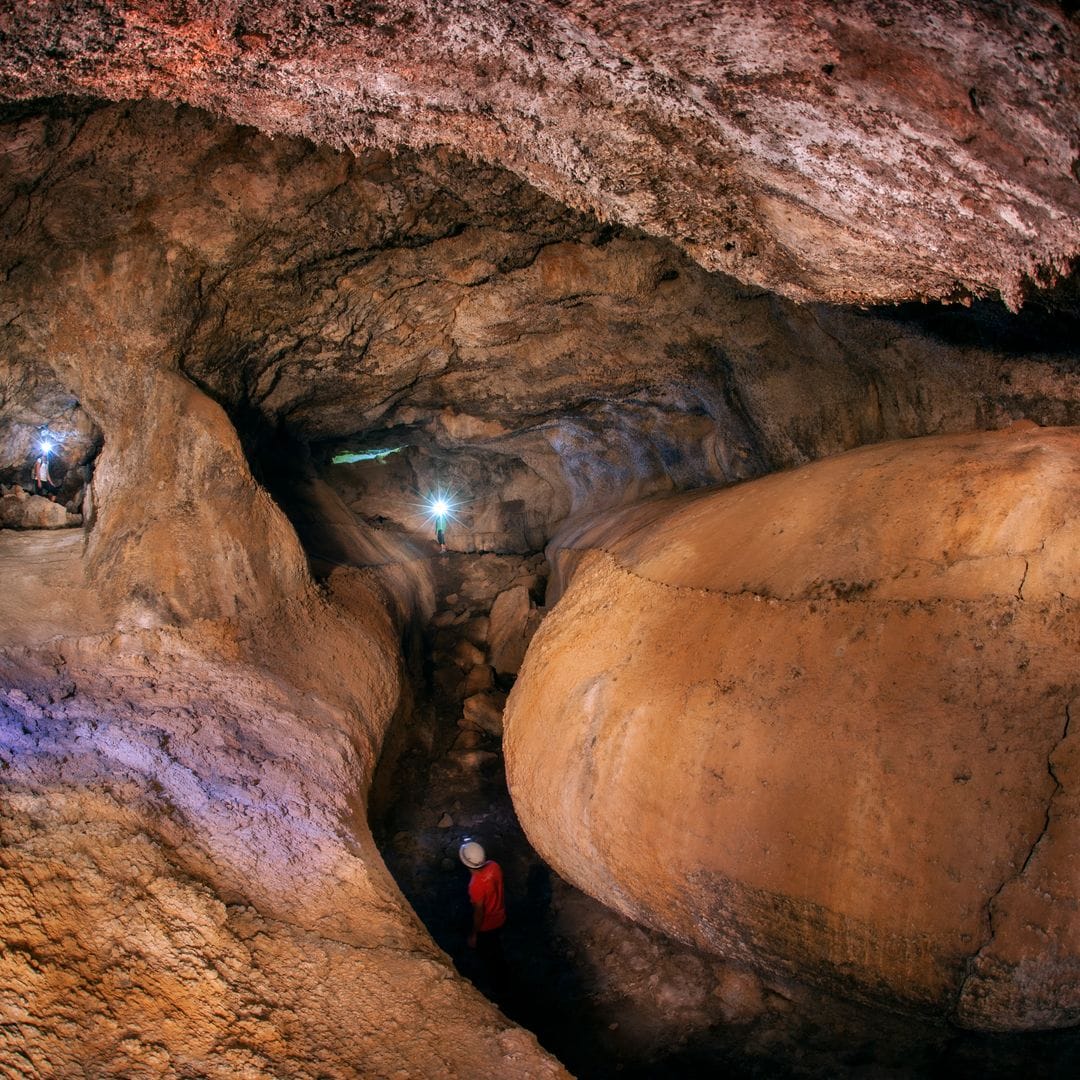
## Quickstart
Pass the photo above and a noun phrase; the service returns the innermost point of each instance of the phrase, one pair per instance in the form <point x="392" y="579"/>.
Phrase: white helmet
<point x="472" y="854"/>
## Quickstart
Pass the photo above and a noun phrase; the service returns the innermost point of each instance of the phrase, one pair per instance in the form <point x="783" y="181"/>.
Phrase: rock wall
<point x="819" y="723"/>
<point x="851" y="153"/>
<point x="189" y="885"/>
<point x="522" y="353"/>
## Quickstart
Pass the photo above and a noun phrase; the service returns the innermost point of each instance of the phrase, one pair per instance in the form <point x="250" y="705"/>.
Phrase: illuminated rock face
<point x="820" y="723"/>
<point x="189" y="885"/>
<point x="849" y="153"/>
<point x="186" y="867"/>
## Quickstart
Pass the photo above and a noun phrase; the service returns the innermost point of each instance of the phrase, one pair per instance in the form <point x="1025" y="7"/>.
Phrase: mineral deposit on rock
<point x="848" y="152"/>
<point x="819" y="723"/>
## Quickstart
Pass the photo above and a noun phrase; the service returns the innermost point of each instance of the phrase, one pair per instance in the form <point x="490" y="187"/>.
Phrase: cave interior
<point x="376" y="352"/>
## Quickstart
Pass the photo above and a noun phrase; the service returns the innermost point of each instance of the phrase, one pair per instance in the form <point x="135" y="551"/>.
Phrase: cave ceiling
<point x="858" y="152"/>
<point x="377" y="297"/>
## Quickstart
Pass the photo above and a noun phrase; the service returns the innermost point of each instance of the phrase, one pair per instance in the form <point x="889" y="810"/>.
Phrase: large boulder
<point x="18" y="510"/>
<point x="819" y="724"/>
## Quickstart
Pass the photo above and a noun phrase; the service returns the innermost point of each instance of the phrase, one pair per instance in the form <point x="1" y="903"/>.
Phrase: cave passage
<point x="271" y="353"/>
<point x="608" y="997"/>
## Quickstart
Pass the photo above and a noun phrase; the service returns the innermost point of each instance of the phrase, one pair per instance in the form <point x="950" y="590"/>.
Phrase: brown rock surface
<point x="484" y="711"/>
<point x="820" y="723"/>
<point x="849" y="152"/>
<point x="324" y="296"/>
<point x="45" y="592"/>
<point x="508" y="636"/>
<point x="479" y="678"/>
<point x="21" y="511"/>
<point x="189" y="886"/>
<point x="189" y="723"/>
<point x="466" y="655"/>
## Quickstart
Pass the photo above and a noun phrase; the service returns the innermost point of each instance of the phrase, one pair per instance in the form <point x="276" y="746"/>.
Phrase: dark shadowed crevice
<point x="1048" y="324"/>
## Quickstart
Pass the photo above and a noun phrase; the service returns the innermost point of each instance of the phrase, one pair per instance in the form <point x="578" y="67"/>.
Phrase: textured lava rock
<point x="189" y="885"/>
<point x="820" y="723"/>
<point x="537" y="362"/>
<point x="45" y="592"/>
<point x="852" y="152"/>
<point x="170" y="277"/>
<point x="483" y="712"/>
<point x="31" y="399"/>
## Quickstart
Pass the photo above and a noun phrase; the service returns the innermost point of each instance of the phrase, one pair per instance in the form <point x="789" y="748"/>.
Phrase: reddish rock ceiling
<point x="850" y="152"/>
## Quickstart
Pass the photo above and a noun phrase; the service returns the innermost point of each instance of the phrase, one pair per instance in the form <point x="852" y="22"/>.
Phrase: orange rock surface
<point x="819" y="723"/>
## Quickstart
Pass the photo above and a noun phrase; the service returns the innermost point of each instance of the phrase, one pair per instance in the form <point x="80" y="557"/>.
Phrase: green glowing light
<point x="348" y="457"/>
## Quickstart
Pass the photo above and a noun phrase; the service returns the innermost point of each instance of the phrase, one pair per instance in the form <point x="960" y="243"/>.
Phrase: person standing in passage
<point x="488" y="911"/>
<point x="43" y="482"/>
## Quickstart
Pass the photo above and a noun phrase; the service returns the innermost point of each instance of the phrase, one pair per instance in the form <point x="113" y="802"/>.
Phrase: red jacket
<point x="486" y="891"/>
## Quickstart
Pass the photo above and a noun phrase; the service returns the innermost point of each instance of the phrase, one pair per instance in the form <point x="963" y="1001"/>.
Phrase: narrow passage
<point x="607" y="997"/>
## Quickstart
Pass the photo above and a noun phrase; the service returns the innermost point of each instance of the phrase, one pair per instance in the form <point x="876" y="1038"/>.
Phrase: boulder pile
<point x="18" y="510"/>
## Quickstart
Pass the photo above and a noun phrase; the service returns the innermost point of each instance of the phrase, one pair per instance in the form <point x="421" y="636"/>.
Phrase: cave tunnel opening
<point x="50" y="450"/>
<point x="607" y="996"/>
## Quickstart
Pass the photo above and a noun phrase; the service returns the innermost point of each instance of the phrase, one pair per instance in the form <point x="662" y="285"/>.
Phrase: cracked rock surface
<point x="859" y="771"/>
<point x="854" y="152"/>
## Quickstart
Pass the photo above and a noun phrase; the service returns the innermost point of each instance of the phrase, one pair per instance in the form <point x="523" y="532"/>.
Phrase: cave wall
<point x="190" y="886"/>
<point x="853" y="152"/>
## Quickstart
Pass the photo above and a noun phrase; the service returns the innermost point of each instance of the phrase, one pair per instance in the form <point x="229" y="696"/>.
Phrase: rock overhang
<point x="429" y="298"/>
<point x="843" y="154"/>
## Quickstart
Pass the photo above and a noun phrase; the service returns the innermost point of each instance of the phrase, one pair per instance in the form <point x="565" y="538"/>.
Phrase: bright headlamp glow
<point x="439" y="507"/>
<point x="46" y="446"/>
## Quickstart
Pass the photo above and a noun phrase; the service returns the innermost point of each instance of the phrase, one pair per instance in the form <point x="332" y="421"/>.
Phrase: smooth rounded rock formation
<point x="819" y="723"/>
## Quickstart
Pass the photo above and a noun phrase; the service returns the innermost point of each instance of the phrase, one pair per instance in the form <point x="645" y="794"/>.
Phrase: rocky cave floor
<point x="607" y="997"/>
